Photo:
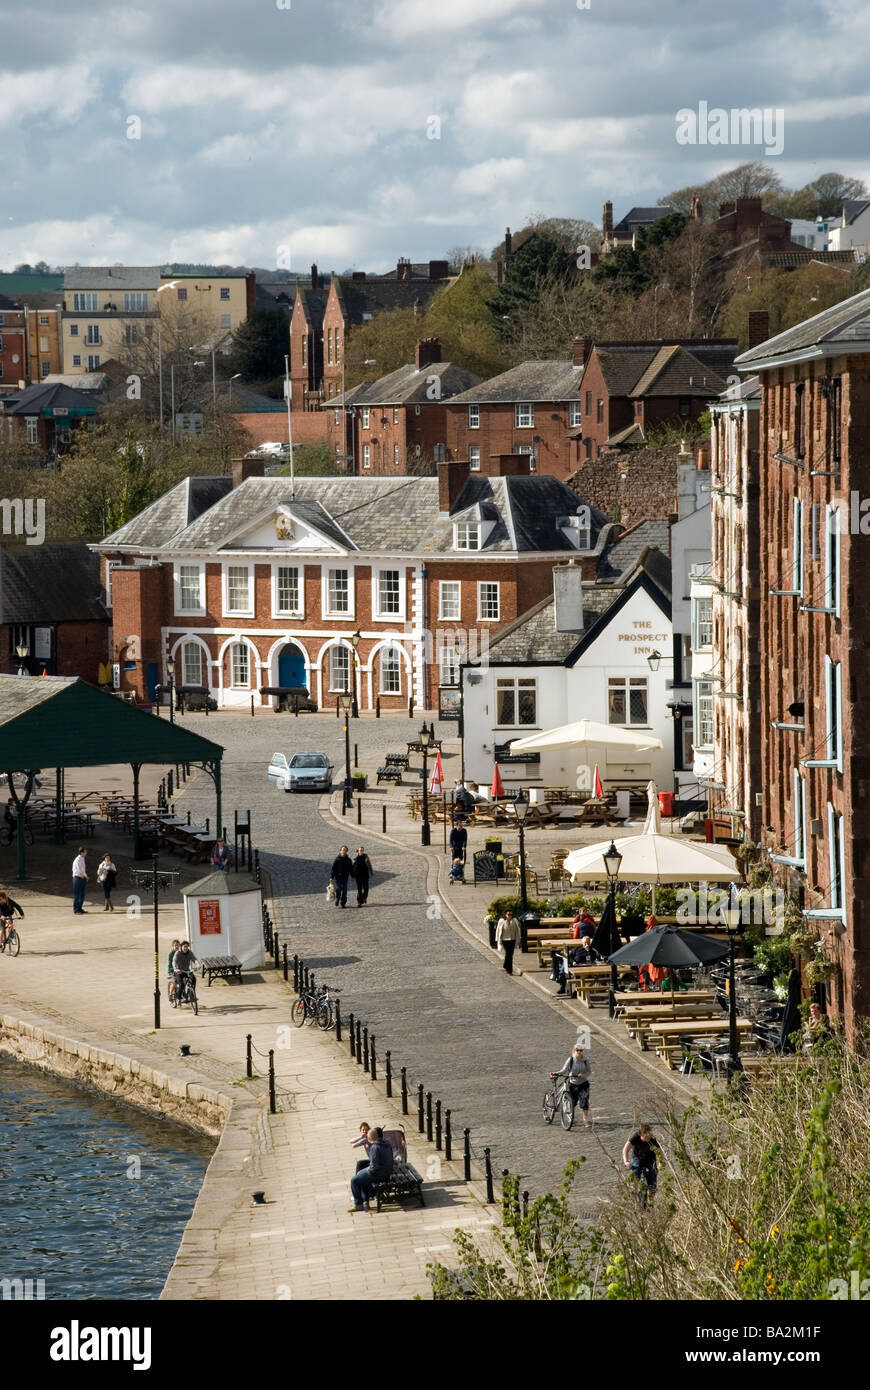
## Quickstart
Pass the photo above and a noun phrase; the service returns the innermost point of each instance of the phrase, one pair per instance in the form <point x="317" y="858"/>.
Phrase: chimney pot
<point x="428" y="350"/>
<point x="314" y="278"/>
<point x="508" y="245"/>
<point x="452" y="477"/>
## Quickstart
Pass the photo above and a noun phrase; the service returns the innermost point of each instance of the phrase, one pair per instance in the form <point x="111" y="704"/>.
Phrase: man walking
<point x="507" y="934"/>
<point x="362" y="872"/>
<point x="458" y="842"/>
<point x="80" y="882"/>
<point x="342" y="870"/>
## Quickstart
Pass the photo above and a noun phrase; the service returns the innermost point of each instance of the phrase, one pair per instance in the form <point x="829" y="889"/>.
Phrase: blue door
<point x="151" y="678"/>
<point x="291" y="666"/>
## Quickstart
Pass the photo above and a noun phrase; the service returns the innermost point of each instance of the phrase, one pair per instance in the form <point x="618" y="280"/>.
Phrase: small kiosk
<point x="224" y="917"/>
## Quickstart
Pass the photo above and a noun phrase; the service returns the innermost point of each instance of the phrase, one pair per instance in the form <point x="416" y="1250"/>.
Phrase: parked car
<point x="304" y="772"/>
<point x="273" y="448"/>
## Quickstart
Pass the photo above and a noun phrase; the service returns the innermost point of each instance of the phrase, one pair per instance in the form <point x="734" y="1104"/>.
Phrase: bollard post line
<point x="249" y="1060"/>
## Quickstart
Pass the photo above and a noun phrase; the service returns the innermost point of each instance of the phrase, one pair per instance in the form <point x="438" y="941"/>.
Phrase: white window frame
<point x="797" y="860"/>
<point x="443" y="614"/>
<point x="701" y="639"/>
<point x="93" y="337"/>
<point x="325" y="610"/>
<point x="395" y="455"/>
<point x="93" y="361"/>
<point x="397" y="666"/>
<point x="502" y="683"/>
<point x="474" y="458"/>
<point x="378" y="612"/>
<point x="474" y="417"/>
<point x="463" y="534"/>
<point x="247" y="612"/>
<point x="32" y="427"/>
<point x="395" y="414"/>
<point x="449" y="661"/>
<point x="524" y="415"/>
<point x="488" y="584"/>
<point x="86" y="302"/>
<point x="74" y="330"/>
<point x="797" y="546"/>
<point x="77" y="360"/>
<point x="833" y="718"/>
<point x="226" y="321"/>
<point x="239" y="684"/>
<point x="367" y="456"/>
<point x="135" y="301"/>
<point x="110" y="565"/>
<point x="203" y="661"/>
<point x="299" y="610"/>
<point x="365" y="417"/>
<point x="575" y="415"/>
<point x="348" y="685"/>
<point x="199" y="609"/>
<point x="833" y="551"/>
<point x="698" y="720"/>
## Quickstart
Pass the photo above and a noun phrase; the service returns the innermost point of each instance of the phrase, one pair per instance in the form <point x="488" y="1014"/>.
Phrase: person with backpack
<point x="640" y="1154"/>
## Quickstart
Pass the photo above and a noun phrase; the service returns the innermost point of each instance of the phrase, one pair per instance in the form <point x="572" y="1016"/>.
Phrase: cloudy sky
<point x="289" y="131"/>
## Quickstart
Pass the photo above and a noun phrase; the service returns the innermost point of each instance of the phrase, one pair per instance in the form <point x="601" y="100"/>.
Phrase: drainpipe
<point x="425" y="577"/>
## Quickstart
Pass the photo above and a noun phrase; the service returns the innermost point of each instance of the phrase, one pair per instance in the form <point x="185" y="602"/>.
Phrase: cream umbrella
<point x="585" y="731"/>
<point x="654" y="858"/>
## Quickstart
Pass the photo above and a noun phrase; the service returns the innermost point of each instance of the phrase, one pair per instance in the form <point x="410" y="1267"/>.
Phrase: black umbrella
<point x="791" y="1016"/>
<point x="606" y="938"/>
<point x="667" y="945"/>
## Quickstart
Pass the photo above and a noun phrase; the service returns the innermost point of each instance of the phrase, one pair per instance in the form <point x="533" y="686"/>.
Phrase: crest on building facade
<point x="284" y="529"/>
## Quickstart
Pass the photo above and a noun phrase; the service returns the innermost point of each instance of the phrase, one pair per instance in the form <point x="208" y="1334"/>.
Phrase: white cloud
<point x="406" y="19"/>
<point x="61" y="92"/>
<point x="483" y="179"/>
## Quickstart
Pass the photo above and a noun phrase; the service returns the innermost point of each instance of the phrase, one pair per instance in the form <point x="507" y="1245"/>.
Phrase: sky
<point x="352" y="132"/>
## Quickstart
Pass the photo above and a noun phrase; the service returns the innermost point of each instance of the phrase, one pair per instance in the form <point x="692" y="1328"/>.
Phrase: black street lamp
<point x="170" y="671"/>
<point x="521" y="810"/>
<point x="425" y="737"/>
<point x="346" y="702"/>
<point x="653" y="660"/>
<point x="612" y="862"/>
<point x="354" y="642"/>
<point x="732" y="922"/>
<point x="23" y="652"/>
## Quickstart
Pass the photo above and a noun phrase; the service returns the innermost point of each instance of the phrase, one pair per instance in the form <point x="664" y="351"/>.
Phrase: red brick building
<point x="628" y="388"/>
<point x="531" y="410"/>
<point x="52" y="620"/>
<point x="388" y="580"/>
<point x="29" y="343"/>
<point x="813" y="775"/>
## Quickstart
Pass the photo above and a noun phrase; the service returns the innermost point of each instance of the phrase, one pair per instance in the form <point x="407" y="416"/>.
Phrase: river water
<point x="96" y="1194"/>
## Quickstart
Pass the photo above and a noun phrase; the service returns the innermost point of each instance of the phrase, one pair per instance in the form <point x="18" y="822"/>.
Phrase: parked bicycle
<point x="10" y="941"/>
<point x="558" y="1100"/>
<point x="315" y="1006"/>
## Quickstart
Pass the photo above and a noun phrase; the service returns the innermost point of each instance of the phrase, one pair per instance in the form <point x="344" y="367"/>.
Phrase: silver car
<point x="304" y="772"/>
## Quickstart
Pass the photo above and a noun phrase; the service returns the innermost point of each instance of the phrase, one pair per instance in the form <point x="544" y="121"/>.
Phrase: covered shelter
<point x="57" y="722"/>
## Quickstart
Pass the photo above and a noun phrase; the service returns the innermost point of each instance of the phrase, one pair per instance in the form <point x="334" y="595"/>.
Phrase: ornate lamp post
<point x="612" y="862"/>
<point x="424" y="737"/>
<point x="23" y="652"/>
<point x="346" y="702"/>
<point x="354" y="642"/>
<point x="170" y="671"/>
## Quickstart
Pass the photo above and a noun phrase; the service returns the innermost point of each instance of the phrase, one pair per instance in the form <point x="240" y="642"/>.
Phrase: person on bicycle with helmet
<point x="575" y="1071"/>
<point x="8" y="909"/>
<point x="182" y="964"/>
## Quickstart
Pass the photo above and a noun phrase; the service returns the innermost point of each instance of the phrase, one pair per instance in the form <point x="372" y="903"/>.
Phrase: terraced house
<point x="385" y="583"/>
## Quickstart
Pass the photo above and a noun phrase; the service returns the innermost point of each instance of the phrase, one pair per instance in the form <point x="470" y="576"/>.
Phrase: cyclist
<point x="575" y="1071"/>
<point x="169" y="968"/>
<point x="182" y="964"/>
<point x="8" y="909"/>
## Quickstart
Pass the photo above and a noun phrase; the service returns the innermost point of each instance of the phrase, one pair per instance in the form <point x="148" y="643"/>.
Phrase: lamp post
<point x="354" y="642"/>
<point x="424" y="737"/>
<point x="170" y="671"/>
<point x="732" y="922"/>
<point x="521" y="810"/>
<point x="346" y="700"/>
<point x="612" y="861"/>
<point x="23" y="652"/>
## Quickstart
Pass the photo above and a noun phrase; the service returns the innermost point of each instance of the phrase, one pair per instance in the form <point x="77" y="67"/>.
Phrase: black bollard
<point x="350" y="1033"/>
<point x="284" y="949"/>
<point x="358" y="1043"/>
<point x="384" y="819"/>
<point x="377" y="707"/>
<point x="272" y="1105"/>
<point x="438" y="1124"/>
<point x="389" y="1076"/>
<point x="526" y="1205"/>
<point x="373" y="1060"/>
<point x="466" y="1155"/>
<point x="359" y="810"/>
<point x="249" y="1060"/>
<point x="275" y="940"/>
<point x="257" y="865"/>
<point x="404" y="1091"/>
<point x="490" y="1195"/>
<point x="365" y="1048"/>
<point x="337" y="1021"/>
<point x="296" y="973"/>
<point x="429" y="1116"/>
<point x="305" y="977"/>
<point x="448" y="1137"/>
<point x="311" y="980"/>
<point x="421" y="1123"/>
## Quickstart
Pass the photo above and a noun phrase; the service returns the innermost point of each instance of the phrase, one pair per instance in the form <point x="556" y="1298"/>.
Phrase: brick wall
<point x="497" y="434"/>
<point x="140" y="603"/>
<point x="631" y="486"/>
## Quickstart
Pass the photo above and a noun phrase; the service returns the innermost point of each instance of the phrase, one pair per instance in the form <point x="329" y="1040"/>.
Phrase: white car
<point x="272" y="449"/>
<point x="304" y="772"/>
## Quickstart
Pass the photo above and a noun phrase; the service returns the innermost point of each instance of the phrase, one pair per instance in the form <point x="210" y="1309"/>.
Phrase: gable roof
<point x="112" y="277"/>
<point x="407" y="385"/>
<point x="641" y="217"/>
<point x="42" y="398"/>
<point x="50" y="584"/>
<point x="853" y="208"/>
<point x="623" y="364"/>
<point x="843" y="328"/>
<point x="360" y="300"/>
<point x="169" y="514"/>
<point x="674" y="371"/>
<point x="545" y="380"/>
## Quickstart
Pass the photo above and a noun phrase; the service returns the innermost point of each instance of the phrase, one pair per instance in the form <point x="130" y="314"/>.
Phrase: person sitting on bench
<point x="583" y="953"/>
<point x="380" y="1168"/>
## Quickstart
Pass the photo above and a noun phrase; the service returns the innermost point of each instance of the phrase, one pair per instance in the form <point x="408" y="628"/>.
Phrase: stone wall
<point x="630" y="486"/>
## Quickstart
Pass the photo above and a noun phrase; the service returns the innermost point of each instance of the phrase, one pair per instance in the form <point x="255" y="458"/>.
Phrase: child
<point x="457" y="871"/>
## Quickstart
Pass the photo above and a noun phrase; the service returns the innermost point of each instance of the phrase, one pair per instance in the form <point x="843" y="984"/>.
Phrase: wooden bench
<point x="221" y="967"/>
<point x="403" y="1182"/>
<point x="666" y="1036"/>
<point x="391" y="773"/>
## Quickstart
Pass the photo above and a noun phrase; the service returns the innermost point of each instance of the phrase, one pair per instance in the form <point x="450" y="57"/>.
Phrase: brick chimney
<point x="508" y="245"/>
<point x="314" y="277"/>
<point x="581" y="351"/>
<point x="697" y="209"/>
<point x="759" y="327"/>
<point x="510" y="465"/>
<point x="439" y="270"/>
<point x="452" y="477"/>
<point x="248" y="468"/>
<point x="607" y="223"/>
<point x="403" y="268"/>
<point x="427" y="350"/>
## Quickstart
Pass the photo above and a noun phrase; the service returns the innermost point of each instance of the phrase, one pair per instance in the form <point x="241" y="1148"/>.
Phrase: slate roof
<point x="50" y="584"/>
<point x="112" y="277"/>
<point x="853" y="208"/>
<point x="747" y="390"/>
<point x="847" y="322"/>
<point x="79" y="381"/>
<point x="38" y="398"/>
<point x="624" y="553"/>
<point x="170" y="514"/>
<point x="247" y="402"/>
<point x="545" y="380"/>
<point x="674" y="371"/>
<point x="373" y="515"/>
<point x="641" y="217"/>
<point x="313" y="304"/>
<point x="632" y="434"/>
<point x="407" y="385"/>
<point x="359" y="298"/>
<point x="624" y="364"/>
<point x="6" y="302"/>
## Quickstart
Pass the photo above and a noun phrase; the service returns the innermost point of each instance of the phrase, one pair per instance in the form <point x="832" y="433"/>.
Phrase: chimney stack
<point x="606" y="224"/>
<point x="428" y="350"/>
<point x="248" y="468"/>
<point x="508" y="246"/>
<point x="581" y="351"/>
<point x="568" y="598"/>
<point x="314" y="277"/>
<point x="452" y="477"/>
<point x="439" y="270"/>
<point x="697" y="209"/>
<point x="511" y="465"/>
<point x="403" y="268"/>
<point x="759" y="327"/>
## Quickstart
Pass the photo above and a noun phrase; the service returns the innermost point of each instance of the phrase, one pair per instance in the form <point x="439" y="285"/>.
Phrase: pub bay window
<point x="389" y="593"/>
<point x="516" y="701"/>
<point x="288" y="589"/>
<point x="190" y="584"/>
<point x="240" y="666"/>
<point x="238" y="589"/>
<point x="627" y="700"/>
<point x="391" y="671"/>
<point x="338" y="592"/>
<point x="339" y="668"/>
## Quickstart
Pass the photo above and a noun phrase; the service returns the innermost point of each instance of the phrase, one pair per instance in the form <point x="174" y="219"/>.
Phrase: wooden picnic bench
<point x="591" y="983"/>
<point x="221" y="967"/>
<point x="666" y="1036"/>
<point x="653" y="998"/>
<point x="403" y="1182"/>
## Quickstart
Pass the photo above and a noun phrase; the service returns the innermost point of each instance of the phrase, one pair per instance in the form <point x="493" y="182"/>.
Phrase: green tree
<point x="540" y="260"/>
<point x="260" y="345"/>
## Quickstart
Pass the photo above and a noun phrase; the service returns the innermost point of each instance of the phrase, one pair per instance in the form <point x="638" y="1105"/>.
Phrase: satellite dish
<point x="15" y="357"/>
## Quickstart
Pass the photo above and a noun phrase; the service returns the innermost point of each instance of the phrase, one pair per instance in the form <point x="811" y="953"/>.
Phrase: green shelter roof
<point x="220" y="885"/>
<point x="55" y="721"/>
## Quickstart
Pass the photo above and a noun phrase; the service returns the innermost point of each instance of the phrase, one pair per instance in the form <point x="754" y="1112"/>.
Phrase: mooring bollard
<point x="284" y="949"/>
<point x="275" y="944"/>
<point x="490" y="1195"/>
<point x="366" y="1048"/>
<point x="350" y="1034"/>
<point x="337" y="1021"/>
<point x="389" y="1076"/>
<point x="359" y="1043"/>
<point x="373" y="1059"/>
<point x="377" y="707"/>
<point x="438" y="1124"/>
<point x="466" y="1153"/>
<point x="404" y="1091"/>
<point x="448" y="1137"/>
<point x="421" y="1123"/>
<point x="272" y="1106"/>
<point x="249" y="1059"/>
<point x="429" y="1116"/>
<point x="252" y="706"/>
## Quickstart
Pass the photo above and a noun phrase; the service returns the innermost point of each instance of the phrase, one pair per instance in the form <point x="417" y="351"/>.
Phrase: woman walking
<point x="507" y="934"/>
<point x="107" y="875"/>
<point x="362" y="872"/>
<point x="575" y="1073"/>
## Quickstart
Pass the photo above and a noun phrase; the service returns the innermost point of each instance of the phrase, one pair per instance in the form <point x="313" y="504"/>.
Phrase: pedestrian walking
<point x="341" y="872"/>
<point x="107" y="875"/>
<point x="640" y="1154"/>
<point x="362" y="872"/>
<point x="80" y="881"/>
<point x="507" y="934"/>
<point x="458" y="842"/>
<point x="575" y="1072"/>
<point x="220" y="856"/>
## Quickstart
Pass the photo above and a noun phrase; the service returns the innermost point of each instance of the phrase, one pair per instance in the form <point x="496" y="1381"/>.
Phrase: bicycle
<point x="314" y="1006"/>
<point x="186" y="992"/>
<point x="9" y="834"/>
<point x="9" y="939"/>
<point x="559" y="1099"/>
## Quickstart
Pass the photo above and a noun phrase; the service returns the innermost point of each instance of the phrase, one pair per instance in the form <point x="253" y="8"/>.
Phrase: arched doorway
<point x="291" y="665"/>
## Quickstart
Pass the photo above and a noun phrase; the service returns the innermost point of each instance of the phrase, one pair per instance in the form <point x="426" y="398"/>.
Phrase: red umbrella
<point x="497" y="788"/>
<point x="436" y="783"/>
<point x="597" y="787"/>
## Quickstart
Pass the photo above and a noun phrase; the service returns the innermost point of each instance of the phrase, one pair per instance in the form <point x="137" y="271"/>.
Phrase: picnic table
<point x="639" y="1021"/>
<point x="592" y="982"/>
<point x="596" y="811"/>
<point x="666" y="1035"/>
<point x="653" y="998"/>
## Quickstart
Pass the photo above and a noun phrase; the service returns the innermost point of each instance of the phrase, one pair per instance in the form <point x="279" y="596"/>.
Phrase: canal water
<point x="96" y="1194"/>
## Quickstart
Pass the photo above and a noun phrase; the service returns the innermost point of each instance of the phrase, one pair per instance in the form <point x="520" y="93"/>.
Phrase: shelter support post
<point x="137" y="841"/>
<point x="58" y="806"/>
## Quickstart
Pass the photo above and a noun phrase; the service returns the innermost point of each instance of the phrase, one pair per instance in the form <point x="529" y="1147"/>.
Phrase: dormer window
<point x="467" y="535"/>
